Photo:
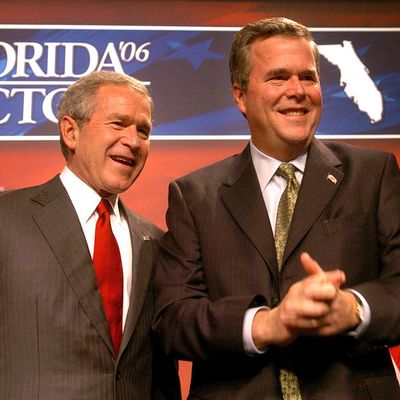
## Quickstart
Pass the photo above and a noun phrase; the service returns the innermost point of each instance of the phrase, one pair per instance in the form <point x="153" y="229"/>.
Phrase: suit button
<point x="274" y="301"/>
<point x="118" y="375"/>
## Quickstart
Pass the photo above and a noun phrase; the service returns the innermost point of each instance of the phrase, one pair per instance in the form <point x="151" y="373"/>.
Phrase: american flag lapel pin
<point x="331" y="178"/>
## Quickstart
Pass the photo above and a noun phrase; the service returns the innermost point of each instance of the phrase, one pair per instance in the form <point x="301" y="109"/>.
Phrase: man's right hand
<point x="312" y="306"/>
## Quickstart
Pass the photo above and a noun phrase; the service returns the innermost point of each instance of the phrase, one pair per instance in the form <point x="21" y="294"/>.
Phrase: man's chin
<point x="114" y="189"/>
<point x="300" y="139"/>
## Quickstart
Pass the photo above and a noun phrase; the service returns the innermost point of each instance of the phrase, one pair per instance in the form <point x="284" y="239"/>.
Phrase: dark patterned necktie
<point x="108" y="268"/>
<point x="288" y="379"/>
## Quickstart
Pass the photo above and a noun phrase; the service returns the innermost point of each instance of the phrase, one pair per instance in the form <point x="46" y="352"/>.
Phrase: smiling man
<point x="279" y="276"/>
<point x="281" y="98"/>
<point x="76" y="266"/>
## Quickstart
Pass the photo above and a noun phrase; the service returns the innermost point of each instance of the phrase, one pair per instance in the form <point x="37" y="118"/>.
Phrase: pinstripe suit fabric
<point x="218" y="259"/>
<point x="54" y="338"/>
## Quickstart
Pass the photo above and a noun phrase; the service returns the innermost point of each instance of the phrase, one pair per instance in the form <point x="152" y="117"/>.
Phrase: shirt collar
<point x="266" y="166"/>
<point x="84" y="199"/>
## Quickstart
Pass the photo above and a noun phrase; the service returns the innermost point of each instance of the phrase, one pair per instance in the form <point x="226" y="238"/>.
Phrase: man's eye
<point x="311" y="78"/>
<point x="278" y="78"/>
<point x="118" y="124"/>
<point x="144" y="133"/>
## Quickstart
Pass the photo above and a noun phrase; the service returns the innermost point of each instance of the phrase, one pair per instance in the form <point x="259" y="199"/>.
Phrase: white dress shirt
<point x="272" y="187"/>
<point x="85" y="201"/>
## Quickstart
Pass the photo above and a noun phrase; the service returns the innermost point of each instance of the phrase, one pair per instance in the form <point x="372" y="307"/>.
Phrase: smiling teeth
<point x="123" y="160"/>
<point x="294" y="113"/>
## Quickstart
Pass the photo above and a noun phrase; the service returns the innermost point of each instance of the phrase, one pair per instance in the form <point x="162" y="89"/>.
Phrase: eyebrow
<point x="120" y="116"/>
<point x="144" y="122"/>
<point x="277" y="71"/>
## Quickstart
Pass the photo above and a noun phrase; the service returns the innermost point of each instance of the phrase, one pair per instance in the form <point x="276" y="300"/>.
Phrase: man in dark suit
<point x="55" y="341"/>
<point x="266" y="320"/>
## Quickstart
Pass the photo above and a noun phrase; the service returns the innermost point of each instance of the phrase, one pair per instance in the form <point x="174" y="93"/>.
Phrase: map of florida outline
<point x="355" y="79"/>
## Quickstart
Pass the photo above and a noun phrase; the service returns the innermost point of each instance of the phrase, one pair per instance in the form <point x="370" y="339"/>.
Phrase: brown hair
<point x="239" y="61"/>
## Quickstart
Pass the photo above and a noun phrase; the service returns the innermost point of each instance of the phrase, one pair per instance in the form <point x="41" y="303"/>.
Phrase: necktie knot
<point x="287" y="171"/>
<point x="103" y="207"/>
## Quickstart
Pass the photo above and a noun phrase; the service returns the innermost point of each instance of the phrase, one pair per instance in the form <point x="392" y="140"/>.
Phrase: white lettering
<point x="47" y="60"/>
<point x="124" y="48"/>
<point x="69" y="59"/>
<point x="115" y="62"/>
<point x="23" y="60"/>
<point x="27" y="103"/>
<point x="6" y="95"/>
<point x="10" y="58"/>
<point x="142" y="54"/>
<point x="48" y="105"/>
<point x="51" y="59"/>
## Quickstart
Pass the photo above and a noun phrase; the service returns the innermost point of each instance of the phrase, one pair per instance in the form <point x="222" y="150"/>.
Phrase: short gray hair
<point x="80" y="101"/>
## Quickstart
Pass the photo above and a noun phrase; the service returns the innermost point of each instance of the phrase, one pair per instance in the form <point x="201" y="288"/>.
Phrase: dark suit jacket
<point x="218" y="259"/>
<point x="54" y="338"/>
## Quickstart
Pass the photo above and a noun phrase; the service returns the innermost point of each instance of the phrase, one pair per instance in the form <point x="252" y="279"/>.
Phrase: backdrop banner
<point x="186" y="70"/>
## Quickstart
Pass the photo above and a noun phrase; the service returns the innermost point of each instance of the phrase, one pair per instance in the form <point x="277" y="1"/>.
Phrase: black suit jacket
<point x="54" y="337"/>
<point x="218" y="259"/>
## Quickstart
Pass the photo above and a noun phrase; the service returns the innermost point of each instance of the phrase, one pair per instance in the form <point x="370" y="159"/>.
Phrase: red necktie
<point x="395" y="353"/>
<point x="108" y="268"/>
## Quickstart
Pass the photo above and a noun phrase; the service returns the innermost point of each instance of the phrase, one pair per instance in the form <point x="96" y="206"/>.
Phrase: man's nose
<point x="295" y="87"/>
<point x="131" y="137"/>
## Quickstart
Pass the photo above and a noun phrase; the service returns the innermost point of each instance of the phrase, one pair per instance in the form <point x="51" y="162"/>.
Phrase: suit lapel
<point x="142" y="261"/>
<point x="56" y="217"/>
<point x="321" y="180"/>
<point x="243" y="198"/>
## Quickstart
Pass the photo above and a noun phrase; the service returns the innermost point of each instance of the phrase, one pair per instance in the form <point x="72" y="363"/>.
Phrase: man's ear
<point x="238" y="96"/>
<point x="70" y="132"/>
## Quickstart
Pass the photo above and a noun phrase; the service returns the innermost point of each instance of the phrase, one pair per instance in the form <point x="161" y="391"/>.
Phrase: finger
<point x="298" y="323"/>
<point x="311" y="267"/>
<point x="324" y="292"/>
<point x="309" y="264"/>
<point x="306" y="309"/>
<point x="336" y="277"/>
<point x="303" y="326"/>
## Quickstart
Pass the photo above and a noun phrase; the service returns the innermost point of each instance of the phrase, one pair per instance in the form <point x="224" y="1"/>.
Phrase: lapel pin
<point x="145" y="237"/>
<point x="331" y="178"/>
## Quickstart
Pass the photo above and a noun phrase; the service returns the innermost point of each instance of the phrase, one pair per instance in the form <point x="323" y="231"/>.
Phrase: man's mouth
<point x="294" y="113"/>
<point x="124" y="160"/>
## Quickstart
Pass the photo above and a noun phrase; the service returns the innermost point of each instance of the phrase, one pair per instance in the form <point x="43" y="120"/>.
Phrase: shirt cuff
<point x="248" y="343"/>
<point x="364" y="314"/>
